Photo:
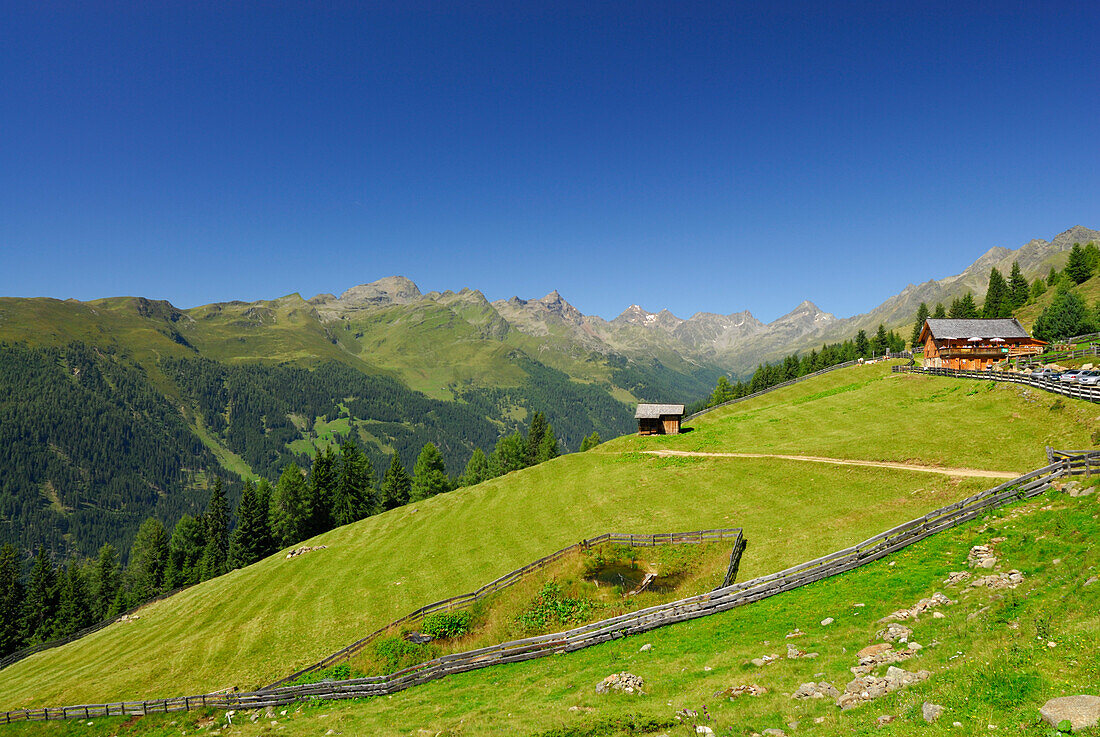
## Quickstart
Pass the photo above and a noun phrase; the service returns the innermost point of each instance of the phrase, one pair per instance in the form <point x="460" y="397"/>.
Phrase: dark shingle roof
<point x="654" y="411"/>
<point x="947" y="329"/>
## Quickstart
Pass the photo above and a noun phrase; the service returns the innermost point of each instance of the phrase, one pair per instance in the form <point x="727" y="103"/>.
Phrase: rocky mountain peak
<point x="389" y="290"/>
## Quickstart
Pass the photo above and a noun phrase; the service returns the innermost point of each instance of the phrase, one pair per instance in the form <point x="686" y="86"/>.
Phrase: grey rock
<point x="931" y="712"/>
<point x="624" y="682"/>
<point x="645" y="648"/>
<point x="1082" y="711"/>
<point x="813" y="690"/>
<point x="774" y="732"/>
<point x="827" y="621"/>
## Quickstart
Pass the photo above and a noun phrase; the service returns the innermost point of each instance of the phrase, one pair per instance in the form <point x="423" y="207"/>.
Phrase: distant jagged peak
<point x="806" y="312"/>
<point x="389" y="290"/>
<point x="1076" y="234"/>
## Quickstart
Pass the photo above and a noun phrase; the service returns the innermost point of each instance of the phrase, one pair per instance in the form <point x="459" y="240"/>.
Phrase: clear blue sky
<point x="696" y="156"/>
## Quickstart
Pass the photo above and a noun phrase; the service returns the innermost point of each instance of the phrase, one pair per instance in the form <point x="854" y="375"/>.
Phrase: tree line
<point x="340" y="488"/>
<point x="793" y="366"/>
<point x="1067" y="315"/>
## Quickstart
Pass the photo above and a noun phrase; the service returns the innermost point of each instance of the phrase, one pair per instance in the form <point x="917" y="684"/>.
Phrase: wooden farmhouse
<point x="659" y="419"/>
<point x="975" y="345"/>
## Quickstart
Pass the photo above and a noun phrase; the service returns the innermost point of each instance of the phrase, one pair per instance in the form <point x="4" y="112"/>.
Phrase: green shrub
<point x="446" y="624"/>
<point x="551" y="608"/>
<point x="395" y="653"/>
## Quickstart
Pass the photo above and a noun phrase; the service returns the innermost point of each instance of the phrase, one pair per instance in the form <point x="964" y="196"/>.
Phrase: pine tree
<point x="289" y="510"/>
<point x="997" y="297"/>
<point x="73" y="610"/>
<point x="1066" y="316"/>
<point x="940" y="312"/>
<point x="322" y="490"/>
<point x="148" y="560"/>
<point x="1018" y="287"/>
<point x="396" y="485"/>
<point x="1078" y="268"/>
<point x="1038" y="289"/>
<point x="1052" y="277"/>
<point x="510" y="454"/>
<point x="40" y="602"/>
<point x="263" y="497"/>
<point x="535" y="434"/>
<point x="880" y="343"/>
<point x="863" y="349"/>
<point x="11" y="601"/>
<point x="355" y="495"/>
<point x="591" y="441"/>
<point x="185" y="550"/>
<point x="215" y="554"/>
<point x="430" y="475"/>
<point x="104" y="583"/>
<point x="963" y="309"/>
<point x="918" y="326"/>
<point x="548" y="449"/>
<point x="251" y="539"/>
<point x="477" y="469"/>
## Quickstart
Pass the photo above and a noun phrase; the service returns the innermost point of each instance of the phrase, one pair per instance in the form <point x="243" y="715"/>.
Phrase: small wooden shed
<point x="659" y="419"/>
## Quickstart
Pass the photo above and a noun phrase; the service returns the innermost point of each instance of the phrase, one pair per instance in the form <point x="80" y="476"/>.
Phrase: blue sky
<point x="695" y="156"/>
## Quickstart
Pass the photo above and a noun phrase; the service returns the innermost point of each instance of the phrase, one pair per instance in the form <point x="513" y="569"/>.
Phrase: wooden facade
<point x="659" y="419"/>
<point x="975" y="345"/>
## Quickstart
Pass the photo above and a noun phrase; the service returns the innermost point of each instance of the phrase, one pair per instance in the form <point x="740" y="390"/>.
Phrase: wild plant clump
<point x="446" y="624"/>
<point x="550" y="608"/>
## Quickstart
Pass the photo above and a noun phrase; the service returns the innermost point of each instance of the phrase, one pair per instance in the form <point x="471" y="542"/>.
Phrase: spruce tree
<point x="590" y="441"/>
<point x="1052" y="277"/>
<point x="396" y="485"/>
<point x="251" y="539"/>
<point x="289" y="507"/>
<point x="104" y="583"/>
<point x="918" y="326"/>
<point x="863" y="349"/>
<point x="1066" y="316"/>
<point x="880" y="343"/>
<point x="185" y="549"/>
<point x="322" y="491"/>
<point x="477" y="469"/>
<point x="11" y="601"/>
<point x="1038" y="289"/>
<point x="430" y="475"/>
<point x="535" y="434"/>
<point x="997" y="297"/>
<point x="148" y="560"/>
<point x="215" y="554"/>
<point x="355" y="496"/>
<point x="73" y="609"/>
<point x="940" y="312"/>
<point x="263" y="497"/>
<point x="40" y="602"/>
<point x="510" y="454"/>
<point x="549" y="448"/>
<point x="1078" y="268"/>
<point x="964" y="308"/>
<point x="1018" y="287"/>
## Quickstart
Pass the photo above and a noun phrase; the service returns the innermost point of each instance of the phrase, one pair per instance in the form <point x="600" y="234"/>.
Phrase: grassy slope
<point x="286" y="613"/>
<point x="992" y="668"/>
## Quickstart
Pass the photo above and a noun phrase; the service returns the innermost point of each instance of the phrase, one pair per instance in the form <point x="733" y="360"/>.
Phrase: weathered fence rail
<point x="722" y="599"/>
<point x="846" y="364"/>
<point x="1077" y="391"/>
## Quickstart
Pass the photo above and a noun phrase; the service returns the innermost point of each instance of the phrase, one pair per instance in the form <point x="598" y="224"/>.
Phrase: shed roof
<point x="948" y="329"/>
<point x="656" y="411"/>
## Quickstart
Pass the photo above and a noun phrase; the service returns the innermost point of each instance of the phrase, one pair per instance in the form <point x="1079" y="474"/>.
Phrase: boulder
<point x="931" y="712"/>
<point x="894" y="633"/>
<point x="1081" y="711"/>
<point x="624" y="682"/>
<point x="827" y="621"/>
<point x="813" y="690"/>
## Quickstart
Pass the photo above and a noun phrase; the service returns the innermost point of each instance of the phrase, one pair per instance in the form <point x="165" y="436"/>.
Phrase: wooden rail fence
<point x="1077" y="391"/>
<point x="720" y="600"/>
<point x="827" y="369"/>
<point x="509" y="579"/>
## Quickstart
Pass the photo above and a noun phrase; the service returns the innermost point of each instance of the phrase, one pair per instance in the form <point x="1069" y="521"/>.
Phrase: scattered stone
<point x="577" y="709"/>
<point x="876" y="649"/>
<point x="955" y="577"/>
<point x="774" y="732"/>
<point x="793" y="653"/>
<point x="707" y="667"/>
<point x="937" y="599"/>
<point x="974" y="615"/>
<point x="1091" y="581"/>
<point x="861" y="604"/>
<point x="866" y="688"/>
<point x="819" y="720"/>
<point x="796" y="633"/>
<point x="1009" y="580"/>
<point x="645" y="648"/>
<point x="624" y="682"/>
<point x="1077" y="491"/>
<point x="747" y="689"/>
<point x="868" y="663"/>
<point x="813" y="690"/>
<point x="894" y="633"/>
<point x="938" y="615"/>
<point x="915" y="646"/>
<point x="931" y="712"/>
<point x="703" y="729"/>
<point x="956" y="724"/>
<point x="885" y="719"/>
<point x="762" y="660"/>
<point x="303" y="550"/>
<point x="792" y="725"/>
<point x="1082" y="711"/>
<point x="981" y="556"/>
<point x="827" y="621"/>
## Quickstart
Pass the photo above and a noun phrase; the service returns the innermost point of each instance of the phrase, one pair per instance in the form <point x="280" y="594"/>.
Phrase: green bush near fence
<point x="446" y="624"/>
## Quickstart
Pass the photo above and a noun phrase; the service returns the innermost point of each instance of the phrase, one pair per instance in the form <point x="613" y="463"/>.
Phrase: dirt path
<point x="976" y="472"/>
